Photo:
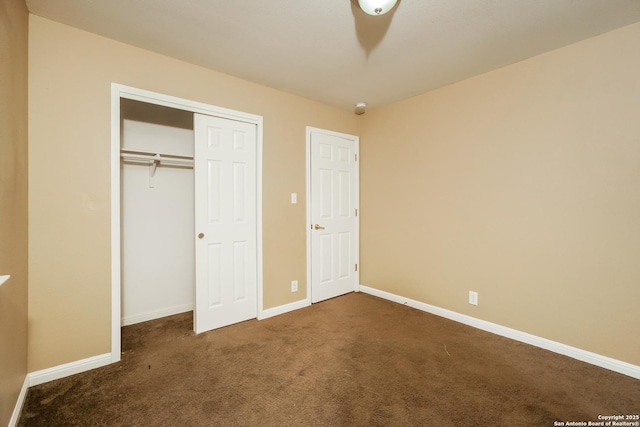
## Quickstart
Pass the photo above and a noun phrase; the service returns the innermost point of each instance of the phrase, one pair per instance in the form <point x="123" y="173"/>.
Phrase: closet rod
<point x="155" y="159"/>
<point x="155" y="153"/>
<point x="147" y="158"/>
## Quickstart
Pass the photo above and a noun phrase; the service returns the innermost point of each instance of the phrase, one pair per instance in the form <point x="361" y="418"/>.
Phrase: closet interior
<point x="157" y="211"/>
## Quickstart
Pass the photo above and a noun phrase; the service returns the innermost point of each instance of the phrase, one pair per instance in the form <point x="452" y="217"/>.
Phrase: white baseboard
<point x="157" y="314"/>
<point x="17" y="410"/>
<point x="556" y="347"/>
<point x="61" y="371"/>
<point x="281" y="309"/>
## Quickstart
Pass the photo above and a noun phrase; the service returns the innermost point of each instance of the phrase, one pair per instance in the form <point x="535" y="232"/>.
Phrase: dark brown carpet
<point x="352" y="361"/>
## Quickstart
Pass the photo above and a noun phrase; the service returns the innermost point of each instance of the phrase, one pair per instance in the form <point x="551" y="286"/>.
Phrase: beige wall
<point x="522" y="184"/>
<point x="69" y="107"/>
<point x="13" y="203"/>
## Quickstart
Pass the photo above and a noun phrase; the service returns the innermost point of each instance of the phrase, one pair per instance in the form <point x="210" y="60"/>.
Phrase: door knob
<point x="318" y="227"/>
<point x="201" y="235"/>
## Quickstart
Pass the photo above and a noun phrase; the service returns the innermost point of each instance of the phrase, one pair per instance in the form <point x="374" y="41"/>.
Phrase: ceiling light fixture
<point x="376" y="7"/>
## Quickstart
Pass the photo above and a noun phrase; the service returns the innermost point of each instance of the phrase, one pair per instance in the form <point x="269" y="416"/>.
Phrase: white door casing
<point x="225" y="222"/>
<point x="333" y="220"/>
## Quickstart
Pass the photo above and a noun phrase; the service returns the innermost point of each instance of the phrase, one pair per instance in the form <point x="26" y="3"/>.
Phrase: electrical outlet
<point x="473" y="298"/>
<point x="294" y="286"/>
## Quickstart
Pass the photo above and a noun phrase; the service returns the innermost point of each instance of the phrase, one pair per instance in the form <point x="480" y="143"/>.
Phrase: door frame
<point x="356" y="140"/>
<point x="119" y="92"/>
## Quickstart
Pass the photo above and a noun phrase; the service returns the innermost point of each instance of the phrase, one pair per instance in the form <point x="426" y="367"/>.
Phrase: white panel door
<point x="225" y="221"/>
<point x="333" y="206"/>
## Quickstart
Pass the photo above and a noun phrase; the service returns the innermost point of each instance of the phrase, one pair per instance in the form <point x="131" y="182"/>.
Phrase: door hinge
<point x="356" y="267"/>
<point x="356" y="155"/>
<point x="356" y="212"/>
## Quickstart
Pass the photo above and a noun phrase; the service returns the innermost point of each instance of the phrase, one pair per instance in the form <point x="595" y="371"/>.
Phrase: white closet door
<point x="225" y="222"/>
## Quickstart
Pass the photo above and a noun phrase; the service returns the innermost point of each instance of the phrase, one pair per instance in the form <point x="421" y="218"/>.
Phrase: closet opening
<point x="156" y="212"/>
<point x="186" y="213"/>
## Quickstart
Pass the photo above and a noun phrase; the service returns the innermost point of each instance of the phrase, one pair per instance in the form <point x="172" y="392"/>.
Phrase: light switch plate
<point x="473" y="298"/>
<point x="294" y="197"/>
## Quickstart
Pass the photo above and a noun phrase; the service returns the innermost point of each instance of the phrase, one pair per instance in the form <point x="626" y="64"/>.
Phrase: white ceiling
<point x="331" y="51"/>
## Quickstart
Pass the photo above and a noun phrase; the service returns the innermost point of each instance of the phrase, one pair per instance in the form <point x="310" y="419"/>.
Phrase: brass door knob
<point x="201" y="235"/>
<point x="318" y="227"/>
